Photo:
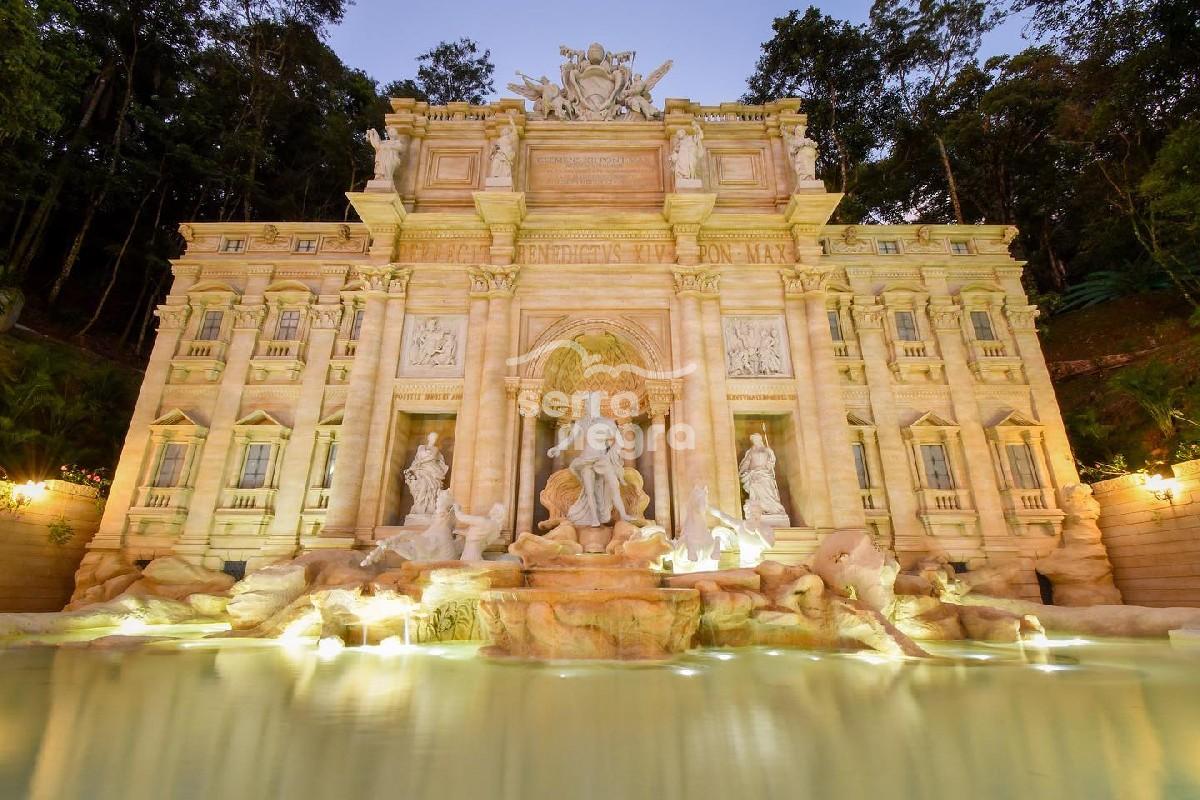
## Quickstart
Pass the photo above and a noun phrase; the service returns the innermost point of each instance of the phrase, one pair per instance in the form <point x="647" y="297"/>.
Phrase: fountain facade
<point x="663" y="277"/>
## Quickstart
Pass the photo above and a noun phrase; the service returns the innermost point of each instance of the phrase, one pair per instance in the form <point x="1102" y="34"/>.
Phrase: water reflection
<point x="245" y="720"/>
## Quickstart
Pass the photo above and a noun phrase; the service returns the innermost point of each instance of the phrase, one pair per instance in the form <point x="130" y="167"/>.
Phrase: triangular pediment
<point x="259" y="418"/>
<point x="333" y="419"/>
<point x="1016" y="419"/>
<point x="932" y="420"/>
<point x="854" y="420"/>
<point x="174" y="417"/>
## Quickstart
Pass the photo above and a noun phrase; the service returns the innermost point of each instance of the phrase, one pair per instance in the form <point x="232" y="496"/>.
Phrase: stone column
<point x="211" y="477"/>
<point x="662" y="479"/>
<point x="462" y="471"/>
<point x="527" y="458"/>
<point x="1023" y="321"/>
<point x="690" y="285"/>
<point x="375" y="455"/>
<point x="980" y="470"/>
<point x="844" y="499"/>
<point x="341" y="517"/>
<point x="295" y="464"/>
<point x="488" y="480"/>
<point x="898" y="480"/>
<point x="817" y="511"/>
<point x="172" y="317"/>
<point x="727" y="493"/>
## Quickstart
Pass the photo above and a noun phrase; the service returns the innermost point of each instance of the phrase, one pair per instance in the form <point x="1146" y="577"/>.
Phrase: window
<point x="170" y="466"/>
<point x="254" y="469"/>
<point x="937" y="468"/>
<point x="330" y="461"/>
<point x="210" y="328"/>
<point x="289" y="326"/>
<point x="1020" y="459"/>
<point x="835" y="327"/>
<point x="860" y="465"/>
<point x="356" y="325"/>
<point x="233" y="245"/>
<point x="960" y="248"/>
<point x="888" y="247"/>
<point x="982" y="322"/>
<point x="306" y="245"/>
<point x="906" y="327"/>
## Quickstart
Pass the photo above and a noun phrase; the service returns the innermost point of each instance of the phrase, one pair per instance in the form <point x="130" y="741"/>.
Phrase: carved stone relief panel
<point x="433" y="345"/>
<point x="756" y="346"/>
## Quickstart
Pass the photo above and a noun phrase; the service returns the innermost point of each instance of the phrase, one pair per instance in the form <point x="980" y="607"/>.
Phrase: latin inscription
<point x="615" y="170"/>
<point x="442" y="251"/>
<point x="597" y="252"/>
<point x="746" y="253"/>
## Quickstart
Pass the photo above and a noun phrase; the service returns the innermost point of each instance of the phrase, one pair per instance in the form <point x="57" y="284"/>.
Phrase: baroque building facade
<point x="508" y="261"/>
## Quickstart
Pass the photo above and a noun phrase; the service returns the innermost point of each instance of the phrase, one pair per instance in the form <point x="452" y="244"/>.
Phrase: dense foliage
<point x="1087" y="140"/>
<point x="119" y="120"/>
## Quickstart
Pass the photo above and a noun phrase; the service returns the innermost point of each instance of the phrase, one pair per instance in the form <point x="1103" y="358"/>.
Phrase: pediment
<point x="260" y="419"/>
<point x="333" y="419"/>
<point x="1015" y="419"/>
<point x="175" y="418"/>
<point x="932" y="420"/>
<point x="288" y="287"/>
<point x="213" y="287"/>
<point x="854" y="420"/>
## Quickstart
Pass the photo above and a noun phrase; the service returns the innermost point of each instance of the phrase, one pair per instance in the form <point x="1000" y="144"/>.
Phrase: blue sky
<point x="714" y="43"/>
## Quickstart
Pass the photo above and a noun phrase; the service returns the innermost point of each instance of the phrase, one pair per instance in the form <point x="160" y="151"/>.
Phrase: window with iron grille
<point x="330" y="463"/>
<point x="889" y="248"/>
<point x="1020" y="459"/>
<point x="835" y="326"/>
<point x="210" y="328"/>
<point x="289" y="326"/>
<point x="960" y="248"/>
<point x="254" y="468"/>
<point x="306" y="245"/>
<point x="937" y="467"/>
<point x="982" y="322"/>
<point x="170" y="466"/>
<point x="860" y="465"/>
<point x="233" y="245"/>
<point x="906" y="327"/>
<point x="356" y="325"/>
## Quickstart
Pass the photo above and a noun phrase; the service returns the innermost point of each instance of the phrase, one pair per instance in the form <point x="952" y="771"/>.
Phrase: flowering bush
<point x="98" y="479"/>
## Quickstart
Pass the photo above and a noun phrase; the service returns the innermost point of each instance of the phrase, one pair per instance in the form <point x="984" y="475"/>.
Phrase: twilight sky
<point x="714" y="43"/>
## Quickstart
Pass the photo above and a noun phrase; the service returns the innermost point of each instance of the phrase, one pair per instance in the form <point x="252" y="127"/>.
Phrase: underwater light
<point x="329" y="647"/>
<point x="132" y="626"/>
<point x="391" y="646"/>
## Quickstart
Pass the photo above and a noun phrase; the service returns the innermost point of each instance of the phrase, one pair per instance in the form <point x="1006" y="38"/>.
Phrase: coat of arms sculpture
<point x="597" y="85"/>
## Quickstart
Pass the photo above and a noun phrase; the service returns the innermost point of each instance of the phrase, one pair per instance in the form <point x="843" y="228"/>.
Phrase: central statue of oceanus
<point x="597" y="85"/>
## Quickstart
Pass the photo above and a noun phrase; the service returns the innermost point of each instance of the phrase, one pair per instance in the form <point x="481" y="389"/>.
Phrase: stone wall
<point x="36" y="574"/>
<point x="1154" y="545"/>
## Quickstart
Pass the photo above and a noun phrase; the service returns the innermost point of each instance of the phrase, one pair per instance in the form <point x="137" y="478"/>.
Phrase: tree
<point x="925" y="45"/>
<point x="834" y="67"/>
<point x="455" y="71"/>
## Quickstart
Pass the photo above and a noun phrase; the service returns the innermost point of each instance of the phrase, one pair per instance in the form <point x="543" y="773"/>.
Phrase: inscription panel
<point x="595" y="251"/>
<point x="569" y="169"/>
<point x="448" y="251"/>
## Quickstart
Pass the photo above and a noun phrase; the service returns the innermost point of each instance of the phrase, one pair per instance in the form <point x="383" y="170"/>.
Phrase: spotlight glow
<point x="329" y="647"/>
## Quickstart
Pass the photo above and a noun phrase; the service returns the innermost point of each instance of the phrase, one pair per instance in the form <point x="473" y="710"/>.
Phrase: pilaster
<point x="499" y="285"/>
<point x="691" y="284"/>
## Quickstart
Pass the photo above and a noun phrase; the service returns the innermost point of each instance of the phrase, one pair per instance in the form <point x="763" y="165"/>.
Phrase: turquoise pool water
<point x="225" y="719"/>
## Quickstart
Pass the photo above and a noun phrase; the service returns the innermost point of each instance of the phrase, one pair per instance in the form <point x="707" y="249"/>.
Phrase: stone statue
<point x="548" y="99"/>
<point x="802" y="153"/>
<point x="504" y="152"/>
<point x="696" y="549"/>
<point x="599" y="468"/>
<point x="387" y="154"/>
<point x="425" y="474"/>
<point x="481" y="532"/>
<point x="757" y="471"/>
<point x="1078" y="568"/>
<point x="435" y="543"/>
<point x="754" y="534"/>
<point x="687" y="150"/>
<point x="433" y="345"/>
<point x="597" y="85"/>
<point x="636" y="96"/>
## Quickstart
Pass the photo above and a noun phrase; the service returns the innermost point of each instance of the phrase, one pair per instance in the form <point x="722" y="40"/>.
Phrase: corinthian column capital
<point x="697" y="281"/>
